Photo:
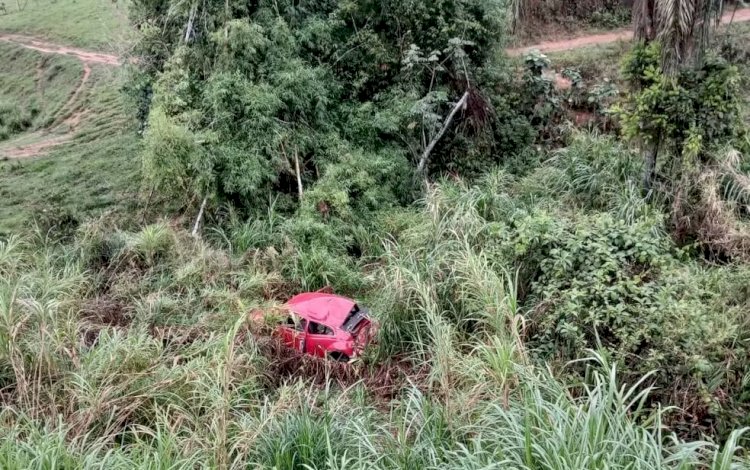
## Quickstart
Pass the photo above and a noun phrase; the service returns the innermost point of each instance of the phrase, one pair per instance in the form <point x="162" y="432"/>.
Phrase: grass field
<point x="96" y="24"/>
<point x="93" y="172"/>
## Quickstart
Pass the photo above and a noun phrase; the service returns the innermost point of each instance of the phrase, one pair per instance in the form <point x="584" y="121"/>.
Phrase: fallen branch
<point x="200" y="216"/>
<point x="426" y="155"/>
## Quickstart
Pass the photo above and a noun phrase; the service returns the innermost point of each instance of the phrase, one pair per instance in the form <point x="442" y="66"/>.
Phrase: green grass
<point x="92" y="383"/>
<point x="595" y="62"/>
<point x="33" y="88"/>
<point x="97" y="171"/>
<point x="96" y="24"/>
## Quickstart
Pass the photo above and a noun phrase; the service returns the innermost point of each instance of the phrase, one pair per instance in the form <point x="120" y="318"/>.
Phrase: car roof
<point x="322" y="308"/>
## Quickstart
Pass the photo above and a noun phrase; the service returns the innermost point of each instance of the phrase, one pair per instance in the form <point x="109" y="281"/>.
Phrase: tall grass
<point x="133" y="350"/>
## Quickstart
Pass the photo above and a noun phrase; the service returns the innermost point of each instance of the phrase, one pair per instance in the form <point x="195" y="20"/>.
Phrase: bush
<point x="14" y="120"/>
<point x="597" y="282"/>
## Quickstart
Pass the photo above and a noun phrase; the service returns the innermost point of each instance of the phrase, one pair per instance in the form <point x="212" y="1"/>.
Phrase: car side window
<point x="318" y="329"/>
<point x="295" y="323"/>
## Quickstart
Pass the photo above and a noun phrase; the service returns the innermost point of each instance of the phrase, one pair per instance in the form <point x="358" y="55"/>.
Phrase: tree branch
<point x="426" y="155"/>
<point x="191" y="18"/>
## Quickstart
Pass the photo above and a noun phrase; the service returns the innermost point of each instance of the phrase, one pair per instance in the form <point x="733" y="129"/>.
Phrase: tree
<point x="685" y="111"/>
<point x="683" y="27"/>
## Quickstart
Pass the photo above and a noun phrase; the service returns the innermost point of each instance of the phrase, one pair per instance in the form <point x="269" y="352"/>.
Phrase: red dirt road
<point x="607" y="38"/>
<point x="87" y="57"/>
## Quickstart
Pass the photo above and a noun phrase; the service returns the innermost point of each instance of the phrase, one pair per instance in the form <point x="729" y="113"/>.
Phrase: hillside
<point x="76" y="152"/>
<point x="556" y="249"/>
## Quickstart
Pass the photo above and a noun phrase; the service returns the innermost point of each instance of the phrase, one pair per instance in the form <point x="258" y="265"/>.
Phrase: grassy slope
<point x="96" y="24"/>
<point x="41" y="82"/>
<point x="98" y="169"/>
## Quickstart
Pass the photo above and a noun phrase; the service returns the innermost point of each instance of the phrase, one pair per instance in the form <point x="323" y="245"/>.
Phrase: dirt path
<point x="41" y="142"/>
<point x="607" y="38"/>
<point x="87" y="57"/>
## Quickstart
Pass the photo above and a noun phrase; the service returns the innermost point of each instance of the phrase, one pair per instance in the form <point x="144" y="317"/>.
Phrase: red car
<point x="326" y="325"/>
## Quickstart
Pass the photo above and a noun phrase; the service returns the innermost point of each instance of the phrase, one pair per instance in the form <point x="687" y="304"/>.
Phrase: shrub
<point x="14" y="120"/>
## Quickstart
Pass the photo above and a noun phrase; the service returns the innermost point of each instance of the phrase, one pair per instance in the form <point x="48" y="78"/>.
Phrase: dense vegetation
<point x="549" y="297"/>
<point x="534" y="18"/>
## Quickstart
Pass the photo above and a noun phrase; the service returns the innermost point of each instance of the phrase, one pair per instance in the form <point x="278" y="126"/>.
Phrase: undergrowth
<point x="134" y="350"/>
<point x="536" y="309"/>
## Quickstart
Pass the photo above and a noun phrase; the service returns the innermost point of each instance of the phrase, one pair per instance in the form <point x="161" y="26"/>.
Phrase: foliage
<point x="530" y="17"/>
<point x="14" y="120"/>
<point x="130" y="346"/>
<point x="132" y="350"/>
<point x="683" y="27"/>
<point x="689" y="117"/>
<point x="270" y="88"/>
<point x="686" y="112"/>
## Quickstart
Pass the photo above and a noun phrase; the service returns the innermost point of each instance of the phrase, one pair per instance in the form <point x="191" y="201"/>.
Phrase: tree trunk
<point x="649" y="168"/>
<point x="299" y="175"/>
<point x="191" y="18"/>
<point x="644" y="27"/>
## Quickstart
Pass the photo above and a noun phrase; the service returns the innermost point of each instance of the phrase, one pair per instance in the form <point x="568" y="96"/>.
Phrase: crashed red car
<point x="326" y="325"/>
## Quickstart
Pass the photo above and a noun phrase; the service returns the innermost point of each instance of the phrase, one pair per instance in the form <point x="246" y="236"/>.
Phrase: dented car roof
<point x="329" y="309"/>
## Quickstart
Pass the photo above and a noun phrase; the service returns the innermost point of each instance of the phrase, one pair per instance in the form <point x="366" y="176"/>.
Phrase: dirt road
<point x="607" y="38"/>
<point x="87" y="57"/>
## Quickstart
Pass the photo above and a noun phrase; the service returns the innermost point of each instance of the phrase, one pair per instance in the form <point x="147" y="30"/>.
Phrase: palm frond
<point x="684" y="28"/>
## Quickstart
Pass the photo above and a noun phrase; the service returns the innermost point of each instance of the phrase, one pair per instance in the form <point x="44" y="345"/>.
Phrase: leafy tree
<point x="682" y="114"/>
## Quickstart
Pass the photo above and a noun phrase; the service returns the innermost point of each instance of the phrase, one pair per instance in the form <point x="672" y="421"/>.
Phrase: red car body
<point x="326" y="325"/>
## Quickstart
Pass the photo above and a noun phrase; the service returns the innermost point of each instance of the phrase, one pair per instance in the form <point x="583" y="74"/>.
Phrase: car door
<point x="294" y="332"/>
<point x="320" y="339"/>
